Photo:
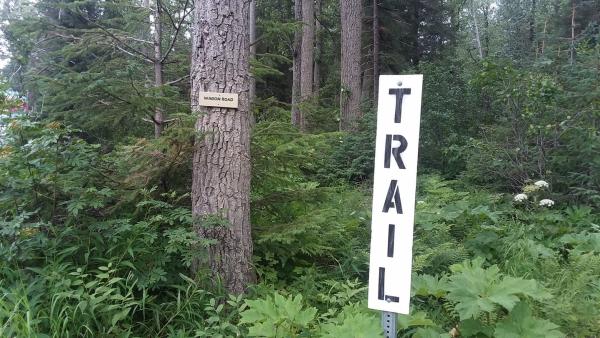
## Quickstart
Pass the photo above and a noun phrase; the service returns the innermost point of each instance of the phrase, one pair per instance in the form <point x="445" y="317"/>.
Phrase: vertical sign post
<point x="396" y="151"/>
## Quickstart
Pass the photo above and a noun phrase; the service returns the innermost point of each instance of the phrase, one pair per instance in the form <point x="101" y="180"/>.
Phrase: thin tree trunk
<point x="252" y="16"/>
<point x="477" y="36"/>
<point x="296" y="62"/>
<point x="221" y="164"/>
<point x="158" y="67"/>
<point x="416" y="12"/>
<point x="532" y="24"/>
<point x="572" y="47"/>
<point x="351" y="15"/>
<point x="318" y="47"/>
<point x="376" y="48"/>
<point x="486" y="31"/>
<point x="307" y="57"/>
<point x="544" y="37"/>
<point x="367" y="74"/>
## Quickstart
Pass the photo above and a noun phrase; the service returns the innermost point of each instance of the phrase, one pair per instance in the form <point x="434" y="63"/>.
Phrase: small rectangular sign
<point x="394" y="188"/>
<point x="223" y="100"/>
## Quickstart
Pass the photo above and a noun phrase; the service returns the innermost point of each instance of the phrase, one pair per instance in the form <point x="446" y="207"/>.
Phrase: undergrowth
<point x="92" y="247"/>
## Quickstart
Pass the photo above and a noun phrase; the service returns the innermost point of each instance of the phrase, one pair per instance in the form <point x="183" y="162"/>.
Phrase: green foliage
<point x="96" y="233"/>
<point x="352" y="322"/>
<point x="476" y="290"/>
<point x="277" y="316"/>
<point x="520" y="323"/>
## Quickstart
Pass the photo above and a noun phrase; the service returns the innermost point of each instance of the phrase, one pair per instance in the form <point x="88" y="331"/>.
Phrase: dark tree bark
<point x="367" y="73"/>
<point x="486" y="31"/>
<point x="307" y="56"/>
<point x="318" y="47"/>
<point x="296" y="66"/>
<point x="416" y="21"/>
<point x="252" y="33"/>
<point x="221" y="164"/>
<point x="376" y="51"/>
<point x="351" y="15"/>
<point x="532" y="24"/>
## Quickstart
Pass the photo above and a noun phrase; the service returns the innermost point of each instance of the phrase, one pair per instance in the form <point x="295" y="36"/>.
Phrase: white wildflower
<point x="541" y="184"/>
<point x="420" y="202"/>
<point x="546" y="203"/>
<point x="520" y="198"/>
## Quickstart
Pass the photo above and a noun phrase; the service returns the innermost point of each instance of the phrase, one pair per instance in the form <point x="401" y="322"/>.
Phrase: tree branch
<point x="178" y="80"/>
<point x="132" y="50"/>
<point x="177" y="29"/>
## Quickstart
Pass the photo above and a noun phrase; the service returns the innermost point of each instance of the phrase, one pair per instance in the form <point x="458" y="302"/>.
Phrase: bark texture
<point x="221" y="164"/>
<point x="351" y="14"/>
<point x="307" y="56"/>
<point x="296" y="66"/>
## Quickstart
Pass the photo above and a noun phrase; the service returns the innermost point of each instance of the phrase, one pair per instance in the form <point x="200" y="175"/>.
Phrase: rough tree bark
<point x="307" y="56"/>
<point x="351" y="15"/>
<point x="221" y="164"/>
<point x="296" y="66"/>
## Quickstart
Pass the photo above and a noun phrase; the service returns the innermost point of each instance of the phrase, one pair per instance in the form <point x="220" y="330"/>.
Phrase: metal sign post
<point x="388" y="322"/>
<point x="394" y="188"/>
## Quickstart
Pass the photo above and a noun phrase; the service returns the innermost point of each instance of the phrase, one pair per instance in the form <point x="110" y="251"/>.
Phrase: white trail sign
<point x="396" y="153"/>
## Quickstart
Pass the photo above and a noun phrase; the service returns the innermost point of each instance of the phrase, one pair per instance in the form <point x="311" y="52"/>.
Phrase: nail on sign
<point x="223" y="100"/>
<point x="396" y="147"/>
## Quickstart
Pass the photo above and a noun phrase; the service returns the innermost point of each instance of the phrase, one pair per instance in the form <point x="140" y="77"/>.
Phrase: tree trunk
<point x="477" y="36"/>
<point x="376" y="48"/>
<point x="221" y="164"/>
<point x="252" y="33"/>
<point x="296" y="66"/>
<point x="158" y="67"/>
<point x="486" y="31"/>
<point x="367" y="73"/>
<point x="572" y="47"/>
<point x="416" y="23"/>
<point x="532" y="43"/>
<point x="252" y="37"/>
<point x="318" y="47"/>
<point x="543" y="46"/>
<point x="307" y="56"/>
<point x="351" y="15"/>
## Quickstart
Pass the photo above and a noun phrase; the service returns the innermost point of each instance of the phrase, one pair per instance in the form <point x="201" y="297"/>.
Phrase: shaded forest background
<point x="96" y="230"/>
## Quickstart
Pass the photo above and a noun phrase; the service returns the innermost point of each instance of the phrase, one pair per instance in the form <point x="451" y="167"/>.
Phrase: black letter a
<point x="393" y="193"/>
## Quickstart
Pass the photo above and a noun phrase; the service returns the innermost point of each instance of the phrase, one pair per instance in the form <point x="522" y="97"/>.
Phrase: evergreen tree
<point x="221" y="173"/>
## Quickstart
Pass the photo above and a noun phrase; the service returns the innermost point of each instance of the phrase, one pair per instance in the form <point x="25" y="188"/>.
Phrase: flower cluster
<point x="534" y="191"/>
<point x="537" y="186"/>
<point x="520" y="198"/>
